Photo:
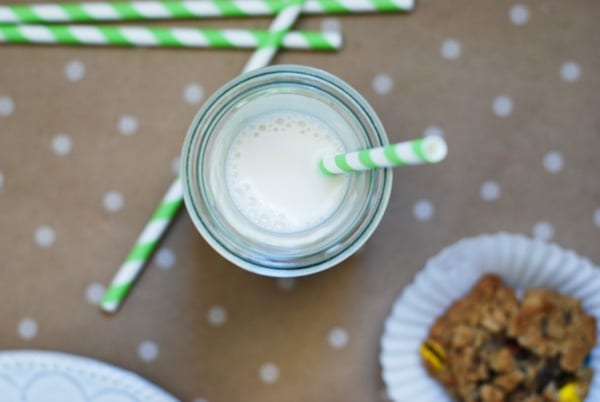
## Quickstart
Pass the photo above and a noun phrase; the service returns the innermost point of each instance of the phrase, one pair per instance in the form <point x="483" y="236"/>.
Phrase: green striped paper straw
<point x="427" y="150"/>
<point x="146" y="10"/>
<point x="164" y="37"/>
<point x="143" y="248"/>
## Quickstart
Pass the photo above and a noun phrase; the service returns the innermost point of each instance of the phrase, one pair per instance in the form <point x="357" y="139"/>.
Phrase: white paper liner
<point x="521" y="262"/>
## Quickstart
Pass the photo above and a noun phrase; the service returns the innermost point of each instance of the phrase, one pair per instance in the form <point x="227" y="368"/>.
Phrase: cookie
<point x="554" y="325"/>
<point x="491" y="347"/>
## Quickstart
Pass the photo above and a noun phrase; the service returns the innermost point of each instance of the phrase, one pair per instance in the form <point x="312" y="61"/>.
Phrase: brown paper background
<point x="265" y="323"/>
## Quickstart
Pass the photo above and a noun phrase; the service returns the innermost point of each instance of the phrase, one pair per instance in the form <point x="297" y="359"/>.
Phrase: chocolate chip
<point x="548" y="373"/>
<point x="568" y="317"/>
<point x="544" y="326"/>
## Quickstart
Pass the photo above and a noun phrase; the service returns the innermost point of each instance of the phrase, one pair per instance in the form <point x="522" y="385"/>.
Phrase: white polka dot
<point x="7" y="106"/>
<point x="147" y="351"/>
<point x="338" y="338"/>
<point x="216" y="316"/>
<point x="331" y="25"/>
<point x="44" y="236"/>
<point x="433" y="131"/>
<point x="570" y="71"/>
<point x="382" y="84"/>
<point x="502" y="106"/>
<point x="27" y="328"/>
<point x="597" y="217"/>
<point x="175" y="165"/>
<point x="286" y="284"/>
<point x="75" y="70"/>
<point x="62" y="144"/>
<point x="451" y="49"/>
<point x="128" y="125"/>
<point x="165" y="258"/>
<point x="519" y="14"/>
<point x="113" y="201"/>
<point x="94" y="293"/>
<point x="553" y="162"/>
<point x="269" y="373"/>
<point x="193" y="93"/>
<point x="543" y="231"/>
<point x="423" y="210"/>
<point x="1" y="179"/>
<point x="490" y="191"/>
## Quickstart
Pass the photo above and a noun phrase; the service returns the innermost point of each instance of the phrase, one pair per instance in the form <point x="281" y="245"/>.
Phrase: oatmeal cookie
<point x="554" y="325"/>
<point x="491" y="347"/>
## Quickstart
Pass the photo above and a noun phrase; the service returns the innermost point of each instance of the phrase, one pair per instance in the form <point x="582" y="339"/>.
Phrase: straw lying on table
<point x="122" y="11"/>
<point x="427" y="150"/>
<point x="166" y="211"/>
<point x="143" y="248"/>
<point x="279" y="28"/>
<point x="164" y="37"/>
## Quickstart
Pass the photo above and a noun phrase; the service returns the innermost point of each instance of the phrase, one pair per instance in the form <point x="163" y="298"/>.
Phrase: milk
<point x="272" y="172"/>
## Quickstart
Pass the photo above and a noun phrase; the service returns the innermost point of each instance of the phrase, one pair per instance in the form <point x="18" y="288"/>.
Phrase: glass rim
<point x="217" y="102"/>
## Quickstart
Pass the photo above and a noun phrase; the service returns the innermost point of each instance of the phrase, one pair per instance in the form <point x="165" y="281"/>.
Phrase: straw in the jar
<point x="427" y="150"/>
<point x="149" y="10"/>
<point x="164" y="37"/>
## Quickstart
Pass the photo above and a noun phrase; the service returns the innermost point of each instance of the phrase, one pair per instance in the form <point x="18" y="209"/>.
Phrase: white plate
<point x="521" y="262"/>
<point x="35" y="376"/>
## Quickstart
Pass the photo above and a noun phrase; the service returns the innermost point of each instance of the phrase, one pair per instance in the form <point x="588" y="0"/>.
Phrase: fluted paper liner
<point x="521" y="262"/>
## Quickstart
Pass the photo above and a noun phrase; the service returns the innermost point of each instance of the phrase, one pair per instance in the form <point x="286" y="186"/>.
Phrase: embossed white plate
<point x="36" y="376"/>
<point x="520" y="261"/>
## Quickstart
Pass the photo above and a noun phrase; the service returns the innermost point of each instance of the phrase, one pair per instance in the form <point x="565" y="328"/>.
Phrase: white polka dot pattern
<point x="7" y="106"/>
<point x="490" y="191"/>
<point x="433" y="131"/>
<point x="502" y="106"/>
<point x="217" y="316"/>
<point x="423" y="210"/>
<point x="75" y="70"/>
<point x="553" y="162"/>
<point x="148" y="351"/>
<point x="269" y="373"/>
<point x="451" y="49"/>
<point x="570" y="71"/>
<point x="519" y="14"/>
<point x="44" y="236"/>
<point x="331" y="25"/>
<point x="164" y="258"/>
<point x="286" y="284"/>
<point x="543" y="231"/>
<point x="338" y="338"/>
<point x="382" y="84"/>
<point x="27" y="328"/>
<point x="175" y="165"/>
<point x="113" y="201"/>
<point x="62" y="144"/>
<point x="94" y="293"/>
<point x="128" y="125"/>
<point x="193" y="93"/>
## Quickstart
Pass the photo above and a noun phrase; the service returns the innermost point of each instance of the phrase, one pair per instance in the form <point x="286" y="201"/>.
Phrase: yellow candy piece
<point x="568" y="393"/>
<point x="433" y="353"/>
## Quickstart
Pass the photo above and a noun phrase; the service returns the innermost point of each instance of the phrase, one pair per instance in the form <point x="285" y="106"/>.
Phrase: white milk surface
<point x="273" y="175"/>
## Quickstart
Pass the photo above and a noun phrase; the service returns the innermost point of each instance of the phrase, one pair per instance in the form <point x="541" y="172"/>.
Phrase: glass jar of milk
<point x="251" y="180"/>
